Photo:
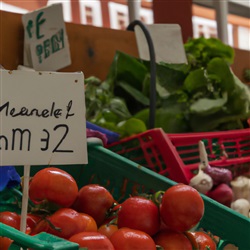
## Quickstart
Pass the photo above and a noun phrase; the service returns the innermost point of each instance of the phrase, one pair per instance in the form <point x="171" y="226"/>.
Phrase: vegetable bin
<point x="176" y="156"/>
<point x="123" y="177"/>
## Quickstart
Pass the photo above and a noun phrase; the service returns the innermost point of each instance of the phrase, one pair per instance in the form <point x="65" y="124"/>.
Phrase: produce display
<point x="109" y="111"/>
<point x="202" y="95"/>
<point x="213" y="181"/>
<point x="166" y="219"/>
<point x="234" y="193"/>
<point x="112" y="203"/>
<point x="217" y="164"/>
<point x="47" y="224"/>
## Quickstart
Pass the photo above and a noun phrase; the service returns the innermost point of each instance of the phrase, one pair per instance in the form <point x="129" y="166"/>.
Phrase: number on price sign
<point x="42" y="117"/>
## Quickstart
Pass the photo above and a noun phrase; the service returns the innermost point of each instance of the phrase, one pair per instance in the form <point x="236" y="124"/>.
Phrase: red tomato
<point x="55" y="185"/>
<point x="14" y="220"/>
<point x="203" y="240"/>
<point x="191" y="238"/>
<point x="181" y="207"/>
<point x="64" y="223"/>
<point x="139" y="213"/>
<point x="95" y="200"/>
<point x="68" y="221"/>
<point x="32" y="220"/>
<point x="128" y="239"/>
<point x="11" y="219"/>
<point x="41" y="226"/>
<point x="92" y="241"/>
<point x="171" y="240"/>
<point x="89" y="224"/>
<point x="107" y="229"/>
<point x="5" y="243"/>
<point x="163" y="225"/>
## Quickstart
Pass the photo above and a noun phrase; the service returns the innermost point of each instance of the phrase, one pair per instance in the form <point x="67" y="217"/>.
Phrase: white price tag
<point x="42" y="118"/>
<point x="167" y="40"/>
<point x="46" y="45"/>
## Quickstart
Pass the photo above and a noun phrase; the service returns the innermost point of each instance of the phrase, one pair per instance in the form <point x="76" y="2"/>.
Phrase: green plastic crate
<point x="124" y="177"/>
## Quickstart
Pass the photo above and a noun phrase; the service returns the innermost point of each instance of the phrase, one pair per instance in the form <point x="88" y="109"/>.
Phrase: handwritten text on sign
<point x="46" y="43"/>
<point x="42" y="118"/>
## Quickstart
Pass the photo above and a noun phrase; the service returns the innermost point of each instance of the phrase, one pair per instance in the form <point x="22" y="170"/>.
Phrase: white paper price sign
<point x="45" y="39"/>
<point x="167" y="40"/>
<point x="42" y="118"/>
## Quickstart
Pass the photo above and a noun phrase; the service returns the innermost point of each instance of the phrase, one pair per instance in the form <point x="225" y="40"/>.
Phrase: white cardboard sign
<point x="167" y="40"/>
<point x="46" y="45"/>
<point x="42" y="118"/>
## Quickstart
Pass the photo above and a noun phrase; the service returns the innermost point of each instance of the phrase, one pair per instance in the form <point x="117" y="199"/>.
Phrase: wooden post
<point x="172" y="11"/>
<point x="25" y="198"/>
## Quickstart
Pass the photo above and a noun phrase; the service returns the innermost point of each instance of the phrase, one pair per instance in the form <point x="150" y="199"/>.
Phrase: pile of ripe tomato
<point x="91" y="217"/>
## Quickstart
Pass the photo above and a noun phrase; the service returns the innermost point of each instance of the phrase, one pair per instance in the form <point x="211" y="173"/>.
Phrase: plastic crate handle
<point x="41" y="241"/>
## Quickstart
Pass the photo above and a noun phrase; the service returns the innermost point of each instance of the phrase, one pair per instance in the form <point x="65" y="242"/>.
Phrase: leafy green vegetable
<point x="171" y="76"/>
<point x="205" y="106"/>
<point x="127" y="69"/>
<point x="202" y="95"/>
<point x="105" y="109"/>
<point x="246" y="75"/>
<point x="195" y="81"/>
<point x="131" y="126"/>
<point x="201" y="50"/>
<point x="136" y="94"/>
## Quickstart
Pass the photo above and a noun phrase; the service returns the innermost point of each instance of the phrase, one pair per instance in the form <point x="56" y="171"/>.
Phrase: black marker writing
<point x="68" y="110"/>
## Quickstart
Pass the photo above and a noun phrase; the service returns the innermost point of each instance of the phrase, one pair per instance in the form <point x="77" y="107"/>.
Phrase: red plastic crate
<point x="176" y="156"/>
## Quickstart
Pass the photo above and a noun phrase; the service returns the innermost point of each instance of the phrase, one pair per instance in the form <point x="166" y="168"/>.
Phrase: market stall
<point x="152" y="167"/>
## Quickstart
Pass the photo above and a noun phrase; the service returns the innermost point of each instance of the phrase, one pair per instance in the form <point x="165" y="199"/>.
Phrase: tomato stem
<point x="157" y="197"/>
<point x="52" y="225"/>
<point x="113" y="211"/>
<point x="112" y="222"/>
<point x="159" y="247"/>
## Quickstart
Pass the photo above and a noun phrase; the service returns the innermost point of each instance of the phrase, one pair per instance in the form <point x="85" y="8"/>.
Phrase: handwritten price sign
<point x="42" y="118"/>
<point x="45" y="39"/>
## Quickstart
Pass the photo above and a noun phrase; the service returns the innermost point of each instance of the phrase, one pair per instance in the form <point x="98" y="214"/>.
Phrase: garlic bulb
<point x="241" y="187"/>
<point x="241" y="206"/>
<point x="202" y="182"/>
